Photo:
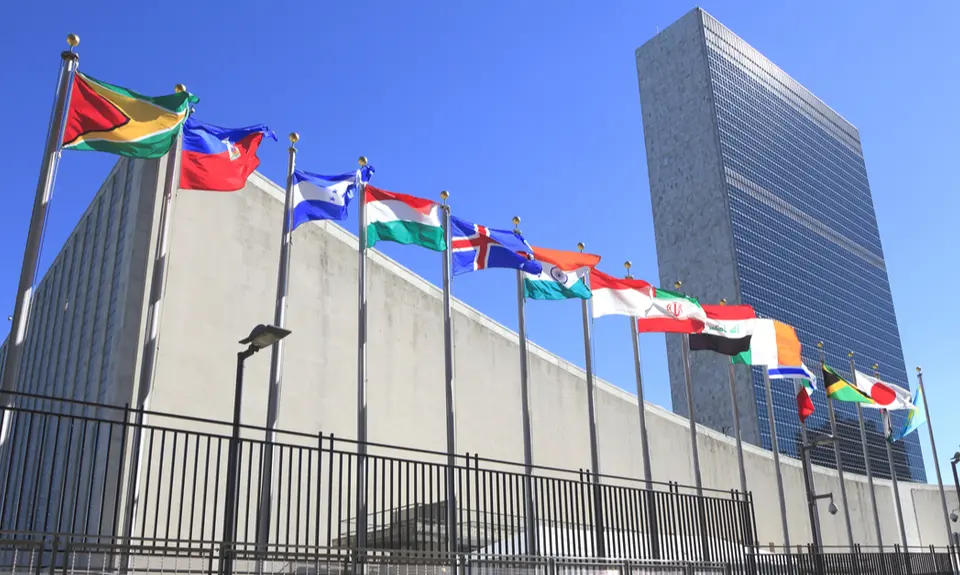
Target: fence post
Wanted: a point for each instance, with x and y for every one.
(53, 554)
(551, 565)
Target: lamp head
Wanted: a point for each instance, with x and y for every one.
(264, 336)
(832, 508)
(954, 517)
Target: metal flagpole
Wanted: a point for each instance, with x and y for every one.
(599, 532)
(38, 218)
(276, 355)
(885, 414)
(866, 459)
(838, 459)
(529, 509)
(361, 540)
(936, 461)
(776, 460)
(148, 359)
(736, 424)
(452, 546)
(691, 413)
(644, 437)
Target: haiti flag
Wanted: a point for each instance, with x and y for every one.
(219, 159)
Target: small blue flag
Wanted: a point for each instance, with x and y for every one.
(915, 417)
(317, 197)
(475, 247)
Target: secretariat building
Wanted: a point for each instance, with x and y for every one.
(760, 196)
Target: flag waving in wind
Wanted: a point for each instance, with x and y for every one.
(562, 275)
(915, 417)
(219, 159)
(317, 197)
(475, 247)
(884, 395)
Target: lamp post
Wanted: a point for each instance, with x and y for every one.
(956, 480)
(812, 497)
(261, 337)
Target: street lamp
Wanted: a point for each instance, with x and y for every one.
(261, 337)
(956, 480)
(812, 497)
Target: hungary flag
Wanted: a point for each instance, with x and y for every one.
(107, 118)
(403, 219)
(562, 276)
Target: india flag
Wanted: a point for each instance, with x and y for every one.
(563, 275)
(403, 219)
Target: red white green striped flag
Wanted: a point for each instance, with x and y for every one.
(404, 219)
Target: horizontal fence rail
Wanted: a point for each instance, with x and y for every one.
(929, 561)
(80, 468)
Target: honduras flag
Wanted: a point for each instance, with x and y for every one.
(475, 247)
(317, 197)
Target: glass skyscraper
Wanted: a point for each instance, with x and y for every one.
(760, 196)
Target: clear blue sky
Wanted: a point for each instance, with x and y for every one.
(518, 108)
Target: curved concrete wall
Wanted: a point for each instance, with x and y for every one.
(222, 281)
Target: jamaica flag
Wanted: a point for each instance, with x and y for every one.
(107, 118)
(840, 390)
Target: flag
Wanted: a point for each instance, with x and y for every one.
(613, 296)
(219, 159)
(562, 276)
(403, 219)
(916, 417)
(772, 344)
(805, 384)
(672, 312)
(841, 390)
(317, 197)
(727, 330)
(475, 247)
(107, 118)
(884, 395)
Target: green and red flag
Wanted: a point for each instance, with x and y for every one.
(107, 118)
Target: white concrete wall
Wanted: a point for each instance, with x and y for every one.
(222, 281)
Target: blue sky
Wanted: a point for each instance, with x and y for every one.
(518, 108)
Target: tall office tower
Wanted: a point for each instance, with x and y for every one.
(760, 196)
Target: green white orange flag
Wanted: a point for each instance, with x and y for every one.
(772, 344)
(107, 118)
(562, 276)
(404, 219)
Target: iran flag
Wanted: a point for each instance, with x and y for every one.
(884, 395)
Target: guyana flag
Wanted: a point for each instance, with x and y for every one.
(107, 118)
(840, 390)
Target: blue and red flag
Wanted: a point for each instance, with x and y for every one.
(475, 247)
(219, 159)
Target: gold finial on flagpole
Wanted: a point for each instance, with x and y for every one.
(628, 265)
(294, 137)
(850, 355)
(179, 88)
(677, 284)
(819, 345)
(362, 160)
(443, 196)
(73, 41)
(918, 369)
(580, 246)
(516, 224)
(876, 366)
(723, 301)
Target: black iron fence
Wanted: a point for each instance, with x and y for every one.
(80, 468)
(911, 561)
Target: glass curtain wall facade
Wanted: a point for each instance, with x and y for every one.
(805, 239)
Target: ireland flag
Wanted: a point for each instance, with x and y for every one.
(562, 276)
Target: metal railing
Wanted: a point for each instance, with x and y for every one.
(867, 561)
(82, 468)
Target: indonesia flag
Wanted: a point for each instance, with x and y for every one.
(614, 296)
(219, 159)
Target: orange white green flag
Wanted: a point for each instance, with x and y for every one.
(562, 276)
(107, 118)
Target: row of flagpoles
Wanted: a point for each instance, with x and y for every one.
(201, 156)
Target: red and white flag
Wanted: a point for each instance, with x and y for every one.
(884, 395)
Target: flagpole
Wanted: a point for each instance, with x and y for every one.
(276, 354)
(361, 540)
(837, 458)
(452, 546)
(691, 413)
(736, 424)
(893, 470)
(866, 459)
(653, 526)
(936, 461)
(38, 218)
(774, 444)
(592, 420)
(171, 181)
(529, 510)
